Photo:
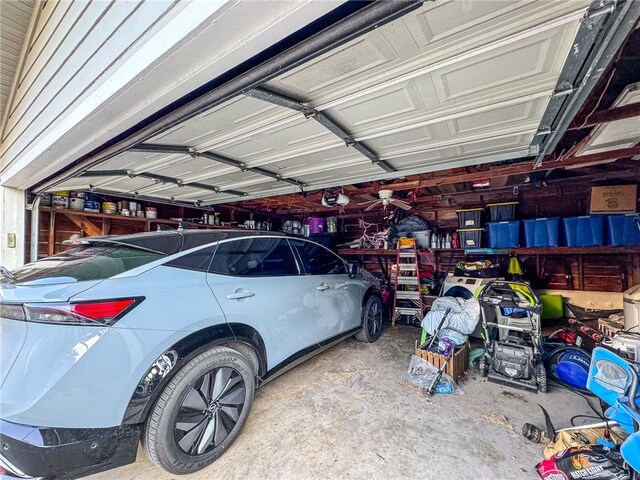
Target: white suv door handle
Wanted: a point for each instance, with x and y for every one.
(240, 294)
(322, 287)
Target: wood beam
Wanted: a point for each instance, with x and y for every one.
(84, 223)
(448, 178)
(618, 113)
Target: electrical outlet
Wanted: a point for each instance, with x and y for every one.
(11, 240)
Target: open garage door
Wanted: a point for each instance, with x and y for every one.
(440, 85)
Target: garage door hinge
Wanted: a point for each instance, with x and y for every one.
(309, 113)
(543, 130)
(565, 89)
(601, 8)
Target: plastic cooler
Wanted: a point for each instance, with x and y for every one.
(541, 232)
(470, 237)
(622, 230)
(503, 234)
(470, 218)
(584, 231)
(502, 212)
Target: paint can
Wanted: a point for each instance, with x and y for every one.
(140, 213)
(125, 212)
(61, 200)
(151, 212)
(91, 206)
(133, 206)
(45, 200)
(77, 194)
(76, 203)
(317, 225)
(109, 208)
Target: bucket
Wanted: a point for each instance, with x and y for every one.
(91, 206)
(76, 203)
(423, 238)
(46, 200)
(76, 194)
(61, 200)
(332, 224)
(317, 225)
(109, 207)
(151, 212)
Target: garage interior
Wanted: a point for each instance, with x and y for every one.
(461, 110)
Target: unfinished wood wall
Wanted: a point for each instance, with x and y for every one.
(608, 272)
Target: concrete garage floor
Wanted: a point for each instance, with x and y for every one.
(349, 413)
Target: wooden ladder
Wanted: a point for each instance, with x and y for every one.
(407, 285)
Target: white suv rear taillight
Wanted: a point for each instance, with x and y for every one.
(96, 312)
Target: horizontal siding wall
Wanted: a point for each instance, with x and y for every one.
(14, 24)
(74, 47)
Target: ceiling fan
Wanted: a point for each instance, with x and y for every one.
(386, 199)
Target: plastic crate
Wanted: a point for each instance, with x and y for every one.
(503, 234)
(584, 231)
(541, 232)
(622, 230)
(470, 237)
(502, 212)
(470, 218)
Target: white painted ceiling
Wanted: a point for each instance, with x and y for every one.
(454, 83)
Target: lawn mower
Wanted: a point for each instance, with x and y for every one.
(511, 314)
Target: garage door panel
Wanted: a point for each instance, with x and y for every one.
(521, 113)
(391, 104)
(215, 124)
(366, 53)
(471, 33)
(279, 141)
(504, 69)
(359, 169)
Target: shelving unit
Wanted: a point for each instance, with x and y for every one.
(57, 225)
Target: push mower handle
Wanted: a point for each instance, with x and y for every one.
(508, 284)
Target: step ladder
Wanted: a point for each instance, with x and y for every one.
(407, 294)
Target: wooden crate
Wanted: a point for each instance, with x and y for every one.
(458, 364)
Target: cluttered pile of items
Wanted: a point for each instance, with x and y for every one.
(594, 353)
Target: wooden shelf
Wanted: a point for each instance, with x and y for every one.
(125, 218)
(506, 251)
(599, 250)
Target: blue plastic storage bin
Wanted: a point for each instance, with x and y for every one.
(584, 231)
(504, 234)
(541, 232)
(622, 230)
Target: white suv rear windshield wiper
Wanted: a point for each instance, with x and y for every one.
(7, 274)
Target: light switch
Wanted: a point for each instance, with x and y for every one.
(11, 240)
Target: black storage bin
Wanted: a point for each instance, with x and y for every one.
(470, 218)
(502, 212)
(470, 237)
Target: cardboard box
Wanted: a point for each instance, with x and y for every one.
(458, 364)
(615, 199)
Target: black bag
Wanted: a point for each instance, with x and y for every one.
(588, 463)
